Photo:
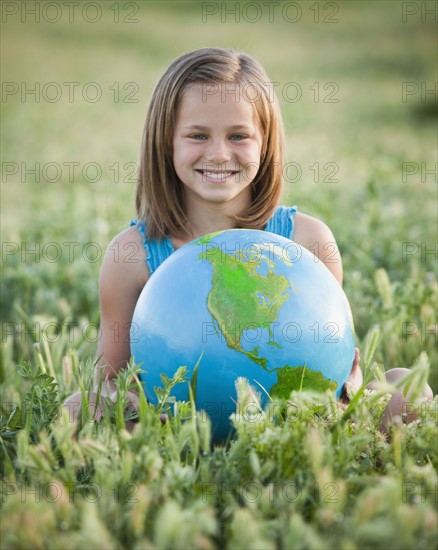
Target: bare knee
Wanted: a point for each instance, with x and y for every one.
(74, 406)
(400, 407)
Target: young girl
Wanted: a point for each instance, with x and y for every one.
(212, 158)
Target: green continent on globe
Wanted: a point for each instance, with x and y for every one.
(241, 298)
(299, 378)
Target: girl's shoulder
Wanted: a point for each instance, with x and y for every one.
(130, 234)
(309, 230)
(314, 235)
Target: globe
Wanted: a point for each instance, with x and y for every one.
(242, 303)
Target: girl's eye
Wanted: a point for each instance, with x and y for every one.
(198, 137)
(237, 137)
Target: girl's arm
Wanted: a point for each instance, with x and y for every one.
(123, 275)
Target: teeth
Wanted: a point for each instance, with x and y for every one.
(217, 175)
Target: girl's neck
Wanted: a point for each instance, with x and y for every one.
(208, 219)
(209, 222)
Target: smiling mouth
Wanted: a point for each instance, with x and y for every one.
(213, 175)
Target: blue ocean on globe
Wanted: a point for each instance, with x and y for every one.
(242, 303)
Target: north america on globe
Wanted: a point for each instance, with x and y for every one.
(242, 297)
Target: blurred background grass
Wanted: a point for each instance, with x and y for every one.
(367, 50)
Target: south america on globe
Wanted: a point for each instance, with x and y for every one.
(242, 303)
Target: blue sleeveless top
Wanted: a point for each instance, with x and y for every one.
(281, 223)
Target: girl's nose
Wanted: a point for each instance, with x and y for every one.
(218, 152)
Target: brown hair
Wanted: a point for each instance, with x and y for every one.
(160, 193)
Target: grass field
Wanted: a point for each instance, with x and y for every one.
(356, 83)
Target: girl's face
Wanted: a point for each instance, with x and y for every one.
(216, 146)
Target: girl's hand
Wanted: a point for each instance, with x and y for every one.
(73, 404)
(355, 380)
(132, 403)
(95, 405)
(96, 409)
(109, 389)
